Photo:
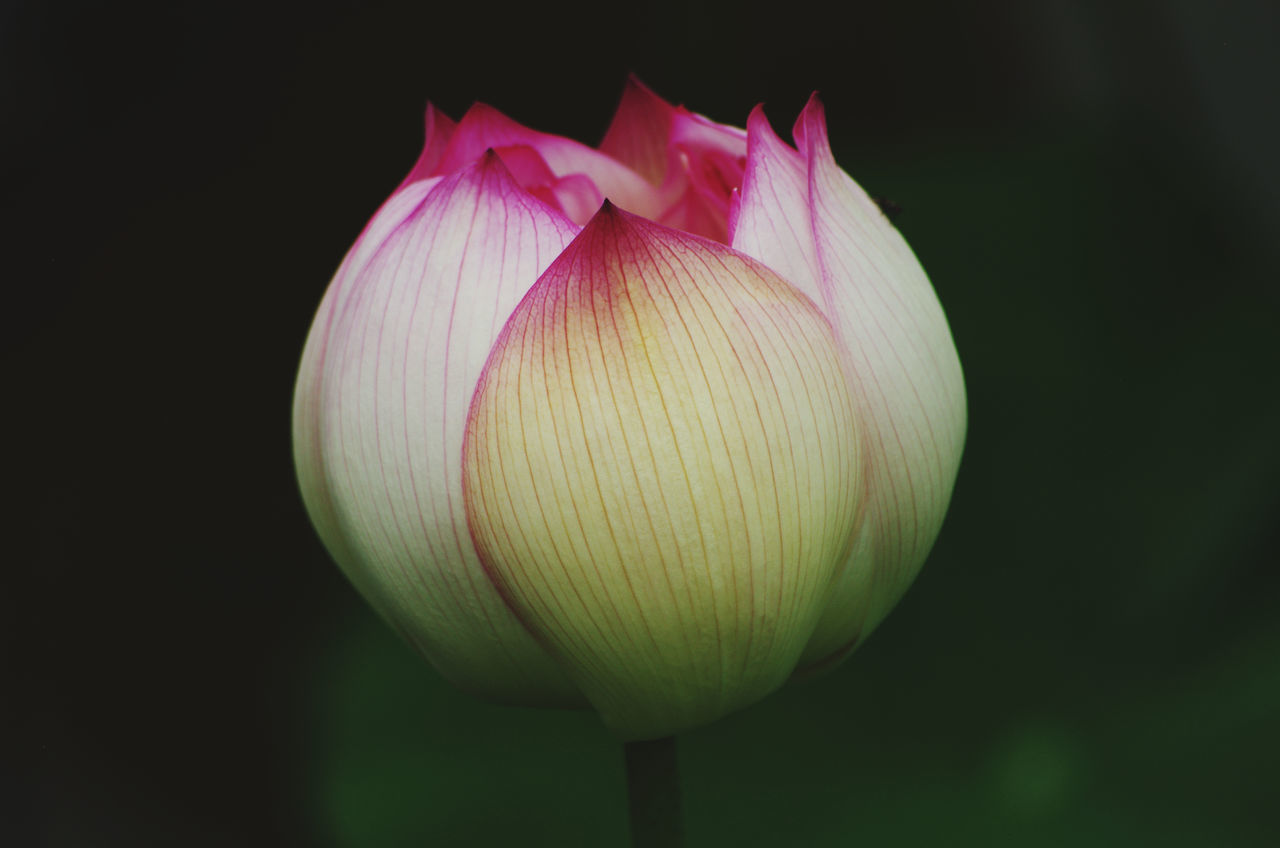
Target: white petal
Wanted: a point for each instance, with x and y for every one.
(806, 218)
(387, 376)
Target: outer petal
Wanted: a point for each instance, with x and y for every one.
(380, 408)
(484, 127)
(804, 217)
(662, 472)
(773, 220)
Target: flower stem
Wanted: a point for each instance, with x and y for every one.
(653, 788)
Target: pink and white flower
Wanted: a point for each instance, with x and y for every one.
(647, 427)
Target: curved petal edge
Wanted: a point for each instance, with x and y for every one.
(662, 472)
(380, 407)
(802, 215)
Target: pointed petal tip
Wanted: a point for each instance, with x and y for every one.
(639, 133)
(634, 82)
(634, 86)
(494, 178)
(764, 143)
(479, 109)
(817, 112)
(491, 164)
(613, 231)
(811, 125)
(612, 217)
(437, 130)
(758, 122)
(610, 211)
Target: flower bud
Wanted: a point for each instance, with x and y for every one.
(650, 427)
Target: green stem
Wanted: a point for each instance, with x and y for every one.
(653, 788)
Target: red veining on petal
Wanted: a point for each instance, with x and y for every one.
(409, 313)
(630, 307)
(576, 195)
(484, 127)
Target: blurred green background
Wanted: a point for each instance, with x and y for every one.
(1090, 657)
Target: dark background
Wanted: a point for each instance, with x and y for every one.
(1092, 654)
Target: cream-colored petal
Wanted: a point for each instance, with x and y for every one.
(387, 376)
(662, 472)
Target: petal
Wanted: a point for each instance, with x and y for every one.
(695, 212)
(772, 220)
(661, 472)
(639, 134)
(380, 409)
(484, 127)
(699, 134)
(526, 165)
(439, 129)
(697, 162)
(575, 195)
(707, 168)
(825, 235)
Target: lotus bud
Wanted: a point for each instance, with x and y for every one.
(649, 428)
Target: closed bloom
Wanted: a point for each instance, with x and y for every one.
(649, 427)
